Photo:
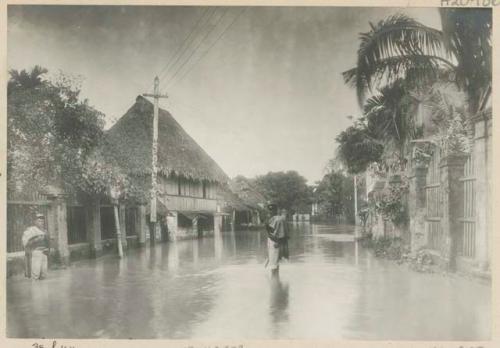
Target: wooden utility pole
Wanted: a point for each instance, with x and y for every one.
(355, 200)
(118, 231)
(154, 162)
(114, 192)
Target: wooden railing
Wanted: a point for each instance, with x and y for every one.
(183, 203)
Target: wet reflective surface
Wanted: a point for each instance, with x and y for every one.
(218, 288)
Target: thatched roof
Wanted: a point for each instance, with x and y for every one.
(230, 200)
(128, 143)
(247, 192)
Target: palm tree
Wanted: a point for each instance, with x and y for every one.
(388, 116)
(24, 79)
(383, 131)
(400, 47)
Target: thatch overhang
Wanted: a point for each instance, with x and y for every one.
(247, 193)
(230, 201)
(129, 142)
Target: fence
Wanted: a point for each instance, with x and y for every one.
(77, 224)
(108, 229)
(20, 215)
(130, 221)
(435, 236)
(467, 238)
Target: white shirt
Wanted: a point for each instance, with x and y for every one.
(31, 232)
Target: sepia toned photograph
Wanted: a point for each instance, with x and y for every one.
(248, 173)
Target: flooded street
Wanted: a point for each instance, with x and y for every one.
(218, 288)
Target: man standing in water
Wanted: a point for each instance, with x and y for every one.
(36, 247)
(277, 238)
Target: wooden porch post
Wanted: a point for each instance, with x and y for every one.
(121, 216)
(141, 225)
(94, 227)
(233, 220)
(58, 214)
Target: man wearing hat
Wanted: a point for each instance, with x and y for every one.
(277, 238)
(36, 248)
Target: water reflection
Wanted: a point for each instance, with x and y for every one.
(356, 252)
(196, 253)
(331, 288)
(278, 304)
(173, 256)
(218, 246)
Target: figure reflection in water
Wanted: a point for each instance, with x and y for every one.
(278, 304)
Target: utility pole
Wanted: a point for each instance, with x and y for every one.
(355, 200)
(154, 162)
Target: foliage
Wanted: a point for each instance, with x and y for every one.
(335, 195)
(363, 215)
(385, 247)
(391, 203)
(454, 127)
(51, 133)
(286, 189)
(389, 116)
(422, 153)
(400, 47)
(422, 262)
(383, 132)
(357, 148)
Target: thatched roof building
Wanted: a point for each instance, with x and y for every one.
(247, 192)
(128, 143)
(230, 200)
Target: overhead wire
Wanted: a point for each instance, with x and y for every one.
(188, 41)
(197, 46)
(183, 44)
(172, 82)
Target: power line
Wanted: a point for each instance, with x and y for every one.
(187, 42)
(186, 39)
(198, 46)
(212, 45)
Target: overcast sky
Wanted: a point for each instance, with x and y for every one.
(262, 92)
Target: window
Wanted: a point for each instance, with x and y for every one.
(179, 186)
(204, 189)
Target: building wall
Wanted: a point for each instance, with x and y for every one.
(180, 186)
(181, 194)
(461, 237)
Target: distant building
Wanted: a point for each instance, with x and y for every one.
(251, 197)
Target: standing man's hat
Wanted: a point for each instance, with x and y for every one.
(40, 216)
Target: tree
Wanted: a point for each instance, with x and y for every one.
(400, 47)
(335, 193)
(331, 191)
(358, 148)
(286, 189)
(389, 116)
(51, 132)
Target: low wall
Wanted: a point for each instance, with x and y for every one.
(78, 251)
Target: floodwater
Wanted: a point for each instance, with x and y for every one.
(218, 288)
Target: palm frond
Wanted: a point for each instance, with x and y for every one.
(391, 47)
(467, 35)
